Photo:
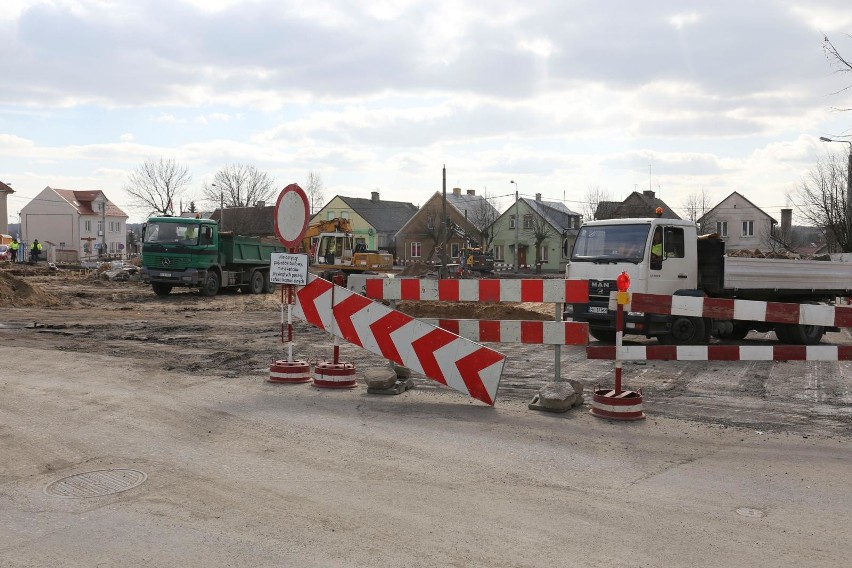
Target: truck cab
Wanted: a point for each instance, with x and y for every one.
(659, 255)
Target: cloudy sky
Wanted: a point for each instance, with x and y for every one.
(557, 95)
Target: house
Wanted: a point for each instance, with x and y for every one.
(81, 224)
(740, 223)
(636, 205)
(550, 223)
(256, 221)
(470, 217)
(374, 222)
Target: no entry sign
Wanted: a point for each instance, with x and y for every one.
(291, 216)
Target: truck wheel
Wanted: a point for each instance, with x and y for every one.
(211, 284)
(686, 331)
(603, 335)
(268, 286)
(802, 334)
(161, 289)
(256, 286)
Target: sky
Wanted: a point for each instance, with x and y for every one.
(559, 96)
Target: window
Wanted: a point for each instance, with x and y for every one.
(344, 214)
(454, 250)
(748, 228)
(498, 253)
(673, 241)
(415, 250)
(511, 221)
(528, 221)
(543, 255)
(430, 221)
(330, 215)
(100, 227)
(87, 226)
(722, 228)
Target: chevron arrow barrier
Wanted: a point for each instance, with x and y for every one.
(442, 356)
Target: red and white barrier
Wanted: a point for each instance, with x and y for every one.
(328, 375)
(624, 405)
(478, 290)
(746, 310)
(433, 352)
(517, 331)
(289, 372)
(722, 352)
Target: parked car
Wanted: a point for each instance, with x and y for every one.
(5, 253)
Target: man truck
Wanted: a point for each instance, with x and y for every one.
(178, 251)
(689, 265)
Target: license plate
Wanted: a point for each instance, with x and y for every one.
(166, 274)
(597, 310)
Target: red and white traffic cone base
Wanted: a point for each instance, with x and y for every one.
(289, 372)
(626, 405)
(328, 375)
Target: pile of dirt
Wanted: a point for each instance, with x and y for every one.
(15, 292)
(416, 269)
(782, 254)
(474, 310)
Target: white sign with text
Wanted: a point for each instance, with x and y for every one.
(288, 268)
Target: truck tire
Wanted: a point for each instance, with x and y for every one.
(686, 331)
(256, 282)
(161, 289)
(603, 335)
(741, 329)
(210, 287)
(801, 334)
(268, 286)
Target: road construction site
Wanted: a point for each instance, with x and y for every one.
(738, 463)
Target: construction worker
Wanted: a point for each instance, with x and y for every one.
(657, 246)
(190, 233)
(13, 249)
(35, 250)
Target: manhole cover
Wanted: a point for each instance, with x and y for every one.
(96, 483)
(749, 512)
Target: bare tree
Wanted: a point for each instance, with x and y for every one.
(593, 196)
(239, 185)
(315, 190)
(541, 231)
(836, 59)
(822, 200)
(156, 184)
(482, 214)
(696, 205)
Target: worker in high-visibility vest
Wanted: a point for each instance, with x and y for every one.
(13, 249)
(35, 250)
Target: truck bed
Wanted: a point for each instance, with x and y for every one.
(246, 250)
(782, 274)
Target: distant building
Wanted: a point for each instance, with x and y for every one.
(636, 205)
(740, 223)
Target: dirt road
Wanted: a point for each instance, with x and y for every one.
(738, 464)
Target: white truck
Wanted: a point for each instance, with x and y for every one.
(666, 256)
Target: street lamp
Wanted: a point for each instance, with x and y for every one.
(848, 191)
(517, 222)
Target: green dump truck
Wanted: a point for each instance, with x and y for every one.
(177, 251)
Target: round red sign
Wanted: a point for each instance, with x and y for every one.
(291, 216)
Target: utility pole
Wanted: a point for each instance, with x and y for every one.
(443, 272)
(517, 222)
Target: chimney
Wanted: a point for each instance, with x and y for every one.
(456, 191)
(786, 225)
(471, 192)
(648, 193)
(374, 196)
(538, 197)
(260, 204)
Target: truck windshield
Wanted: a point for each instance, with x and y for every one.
(611, 243)
(182, 233)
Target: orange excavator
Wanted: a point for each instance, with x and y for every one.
(334, 253)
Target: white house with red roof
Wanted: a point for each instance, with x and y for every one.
(75, 224)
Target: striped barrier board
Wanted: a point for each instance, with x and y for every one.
(555, 290)
(435, 353)
(722, 352)
(517, 331)
(746, 310)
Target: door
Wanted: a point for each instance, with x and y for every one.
(522, 256)
(671, 272)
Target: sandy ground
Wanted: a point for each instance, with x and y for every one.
(738, 464)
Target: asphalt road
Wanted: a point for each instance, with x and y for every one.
(737, 465)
